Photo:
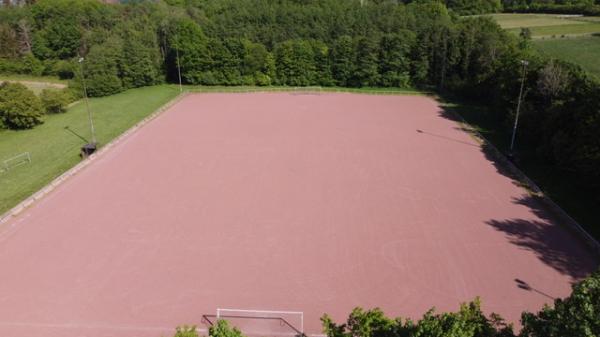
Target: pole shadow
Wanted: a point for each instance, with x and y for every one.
(446, 138)
(526, 286)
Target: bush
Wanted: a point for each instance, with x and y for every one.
(469, 321)
(222, 329)
(186, 331)
(55, 101)
(27, 64)
(19, 107)
(101, 68)
(64, 70)
(576, 315)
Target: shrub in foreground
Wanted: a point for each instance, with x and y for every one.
(19, 107)
(55, 101)
(576, 315)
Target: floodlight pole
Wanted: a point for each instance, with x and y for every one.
(178, 66)
(87, 104)
(514, 133)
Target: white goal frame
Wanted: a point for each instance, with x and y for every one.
(226, 311)
(20, 159)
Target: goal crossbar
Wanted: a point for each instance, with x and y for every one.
(20, 159)
(292, 321)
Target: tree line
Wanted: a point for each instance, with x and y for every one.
(576, 315)
(348, 43)
(583, 7)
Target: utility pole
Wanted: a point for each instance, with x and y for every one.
(87, 104)
(514, 133)
(178, 67)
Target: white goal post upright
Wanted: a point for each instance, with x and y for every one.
(285, 315)
(20, 159)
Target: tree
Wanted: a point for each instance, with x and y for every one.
(524, 37)
(141, 60)
(187, 39)
(8, 41)
(258, 65)
(222, 329)
(394, 59)
(102, 68)
(576, 315)
(366, 63)
(58, 39)
(295, 63)
(469, 321)
(54, 101)
(19, 107)
(342, 60)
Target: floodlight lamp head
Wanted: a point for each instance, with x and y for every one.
(524, 62)
(81, 59)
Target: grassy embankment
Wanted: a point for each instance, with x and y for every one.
(54, 150)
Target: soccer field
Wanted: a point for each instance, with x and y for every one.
(286, 202)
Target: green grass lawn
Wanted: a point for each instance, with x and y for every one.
(53, 150)
(584, 51)
(548, 25)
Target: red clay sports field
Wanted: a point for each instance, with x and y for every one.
(274, 201)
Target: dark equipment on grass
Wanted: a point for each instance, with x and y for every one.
(86, 150)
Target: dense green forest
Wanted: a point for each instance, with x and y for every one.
(308, 42)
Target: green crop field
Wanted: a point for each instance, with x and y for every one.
(549, 25)
(53, 150)
(584, 51)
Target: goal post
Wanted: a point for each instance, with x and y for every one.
(18, 160)
(263, 323)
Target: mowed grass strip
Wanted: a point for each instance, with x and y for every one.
(548, 25)
(558, 31)
(54, 150)
(31, 78)
(508, 21)
(584, 51)
(35, 83)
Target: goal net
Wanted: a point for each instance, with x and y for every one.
(262, 323)
(18, 160)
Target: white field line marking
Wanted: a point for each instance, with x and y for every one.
(93, 326)
(263, 311)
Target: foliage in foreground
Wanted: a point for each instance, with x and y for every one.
(19, 107)
(575, 316)
(220, 329)
(55, 101)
